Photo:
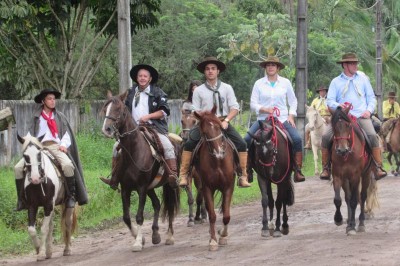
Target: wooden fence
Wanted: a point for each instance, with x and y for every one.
(79, 113)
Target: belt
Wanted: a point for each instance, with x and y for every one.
(48, 143)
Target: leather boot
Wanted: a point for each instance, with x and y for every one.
(171, 172)
(70, 201)
(184, 171)
(378, 170)
(298, 175)
(113, 181)
(242, 180)
(308, 141)
(326, 171)
(21, 204)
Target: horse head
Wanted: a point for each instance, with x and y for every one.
(343, 130)
(32, 155)
(312, 117)
(188, 121)
(264, 146)
(116, 115)
(211, 130)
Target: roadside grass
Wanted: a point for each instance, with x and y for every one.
(105, 207)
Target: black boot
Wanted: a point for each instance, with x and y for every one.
(70, 201)
(21, 204)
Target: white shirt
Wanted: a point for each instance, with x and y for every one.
(280, 96)
(65, 141)
(142, 108)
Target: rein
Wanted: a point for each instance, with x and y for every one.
(117, 134)
(208, 140)
(274, 140)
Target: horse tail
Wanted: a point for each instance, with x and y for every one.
(69, 223)
(290, 192)
(171, 202)
(372, 196)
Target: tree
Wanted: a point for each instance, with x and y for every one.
(61, 43)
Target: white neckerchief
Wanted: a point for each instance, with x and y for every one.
(346, 88)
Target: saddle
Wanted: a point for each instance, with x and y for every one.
(151, 136)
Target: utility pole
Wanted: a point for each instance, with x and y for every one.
(378, 43)
(124, 44)
(301, 65)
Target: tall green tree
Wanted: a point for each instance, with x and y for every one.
(61, 43)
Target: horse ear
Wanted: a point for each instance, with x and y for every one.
(347, 109)
(41, 138)
(214, 109)
(20, 139)
(196, 114)
(123, 96)
(109, 95)
(307, 107)
(261, 124)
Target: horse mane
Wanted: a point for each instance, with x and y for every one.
(28, 139)
(209, 117)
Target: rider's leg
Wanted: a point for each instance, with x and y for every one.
(298, 152)
(170, 159)
(247, 138)
(189, 146)
(240, 145)
(326, 164)
(366, 124)
(19, 183)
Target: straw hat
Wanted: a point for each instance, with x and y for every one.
(274, 60)
(349, 57)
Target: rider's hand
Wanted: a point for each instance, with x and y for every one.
(291, 121)
(366, 114)
(144, 119)
(63, 149)
(224, 125)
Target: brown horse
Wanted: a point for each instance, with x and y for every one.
(216, 166)
(188, 121)
(139, 172)
(271, 154)
(393, 146)
(351, 166)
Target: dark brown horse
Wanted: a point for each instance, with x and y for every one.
(44, 188)
(351, 166)
(216, 167)
(139, 172)
(393, 146)
(271, 154)
(188, 121)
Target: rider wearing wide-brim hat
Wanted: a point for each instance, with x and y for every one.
(58, 137)
(272, 60)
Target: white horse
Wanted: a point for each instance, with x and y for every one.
(44, 188)
(316, 124)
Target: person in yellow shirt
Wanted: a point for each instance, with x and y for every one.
(391, 111)
(318, 103)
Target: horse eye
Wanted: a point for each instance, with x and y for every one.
(27, 159)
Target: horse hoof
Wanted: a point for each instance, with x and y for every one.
(223, 241)
(48, 256)
(137, 248)
(41, 258)
(285, 231)
(190, 223)
(361, 229)
(277, 234)
(213, 246)
(170, 241)
(67, 253)
(265, 233)
(156, 239)
(395, 173)
(351, 232)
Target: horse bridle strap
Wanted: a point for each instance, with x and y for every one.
(215, 138)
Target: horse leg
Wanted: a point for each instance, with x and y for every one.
(32, 211)
(389, 158)
(271, 205)
(262, 184)
(45, 230)
(226, 207)
(315, 154)
(139, 242)
(189, 193)
(278, 206)
(337, 201)
(67, 220)
(285, 219)
(155, 239)
(49, 239)
(364, 190)
(209, 199)
(353, 200)
(396, 158)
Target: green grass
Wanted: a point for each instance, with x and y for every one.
(105, 207)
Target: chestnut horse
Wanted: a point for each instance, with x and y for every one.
(393, 145)
(44, 188)
(351, 167)
(188, 121)
(271, 154)
(140, 172)
(215, 163)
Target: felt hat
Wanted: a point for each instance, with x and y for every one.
(135, 70)
(210, 60)
(274, 60)
(39, 98)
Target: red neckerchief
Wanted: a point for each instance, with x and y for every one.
(51, 123)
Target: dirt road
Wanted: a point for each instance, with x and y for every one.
(314, 239)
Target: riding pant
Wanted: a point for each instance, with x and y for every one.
(297, 142)
(365, 124)
(230, 132)
(66, 164)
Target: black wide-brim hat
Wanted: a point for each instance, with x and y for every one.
(39, 98)
(210, 60)
(153, 72)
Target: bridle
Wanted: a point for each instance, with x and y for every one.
(223, 146)
(117, 120)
